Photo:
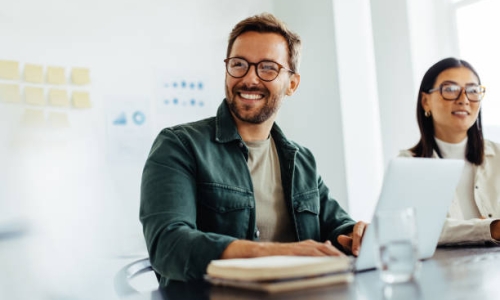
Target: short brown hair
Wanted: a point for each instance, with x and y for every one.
(268, 23)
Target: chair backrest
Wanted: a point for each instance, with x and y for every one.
(123, 277)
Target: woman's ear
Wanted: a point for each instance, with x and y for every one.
(425, 102)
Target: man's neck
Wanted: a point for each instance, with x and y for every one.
(254, 132)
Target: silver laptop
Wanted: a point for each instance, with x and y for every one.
(428, 184)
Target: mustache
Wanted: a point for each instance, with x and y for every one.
(245, 88)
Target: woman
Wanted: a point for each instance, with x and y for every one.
(449, 117)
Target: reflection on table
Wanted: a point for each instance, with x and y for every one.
(452, 273)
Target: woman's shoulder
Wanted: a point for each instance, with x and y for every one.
(491, 147)
(405, 153)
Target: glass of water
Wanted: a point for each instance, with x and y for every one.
(396, 237)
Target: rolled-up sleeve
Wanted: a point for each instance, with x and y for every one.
(168, 212)
(472, 231)
(334, 219)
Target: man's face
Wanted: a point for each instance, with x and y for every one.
(251, 99)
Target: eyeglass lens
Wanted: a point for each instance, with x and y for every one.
(266, 70)
(453, 91)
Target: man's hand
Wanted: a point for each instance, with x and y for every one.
(246, 249)
(352, 241)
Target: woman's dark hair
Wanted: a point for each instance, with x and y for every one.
(427, 143)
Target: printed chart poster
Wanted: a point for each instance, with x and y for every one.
(128, 127)
(185, 97)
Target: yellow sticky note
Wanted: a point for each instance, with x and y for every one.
(58, 119)
(33, 118)
(55, 75)
(80, 76)
(9, 70)
(33, 73)
(58, 97)
(81, 100)
(10, 93)
(34, 95)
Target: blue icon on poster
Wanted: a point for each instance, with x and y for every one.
(186, 98)
(139, 117)
(120, 120)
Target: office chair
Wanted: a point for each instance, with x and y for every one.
(124, 276)
(195, 290)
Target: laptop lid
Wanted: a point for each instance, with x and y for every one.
(428, 184)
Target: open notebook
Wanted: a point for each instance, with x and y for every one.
(428, 184)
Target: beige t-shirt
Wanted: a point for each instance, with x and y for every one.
(273, 220)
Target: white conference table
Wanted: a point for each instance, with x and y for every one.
(452, 273)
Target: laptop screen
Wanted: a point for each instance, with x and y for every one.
(428, 184)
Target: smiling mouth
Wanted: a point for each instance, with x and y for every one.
(461, 113)
(251, 96)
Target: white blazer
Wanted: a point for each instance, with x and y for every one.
(456, 229)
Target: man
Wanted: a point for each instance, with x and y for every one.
(233, 186)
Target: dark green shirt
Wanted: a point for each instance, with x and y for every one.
(197, 195)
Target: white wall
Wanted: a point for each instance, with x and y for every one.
(81, 205)
(360, 106)
(336, 103)
(396, 90)
(313, 116)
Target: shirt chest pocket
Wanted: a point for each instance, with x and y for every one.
(306, 209)
(224, 209)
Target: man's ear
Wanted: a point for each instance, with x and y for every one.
(293, 84)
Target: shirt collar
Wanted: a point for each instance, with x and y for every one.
(226, 131)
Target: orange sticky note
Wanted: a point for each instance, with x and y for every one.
(58, 97)
(10, 93)
(80, 76)
(81, 99)
(34, 95)
(9, 70)
(58, 119)
(33, 118)
(55, 75)
(33, 73)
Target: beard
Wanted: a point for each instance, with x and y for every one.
(244, 112)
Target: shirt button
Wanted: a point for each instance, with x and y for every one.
(490, 215)
(240, 145)
(257, 233)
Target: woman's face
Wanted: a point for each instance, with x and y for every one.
(452, 118)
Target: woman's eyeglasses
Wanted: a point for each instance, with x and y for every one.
(452, 91)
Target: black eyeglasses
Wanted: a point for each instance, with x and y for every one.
(267, 70)
(452, 91)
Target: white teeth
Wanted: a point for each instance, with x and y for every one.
(460, 113)
(251, 96)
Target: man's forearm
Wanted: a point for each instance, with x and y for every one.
(247, 249)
